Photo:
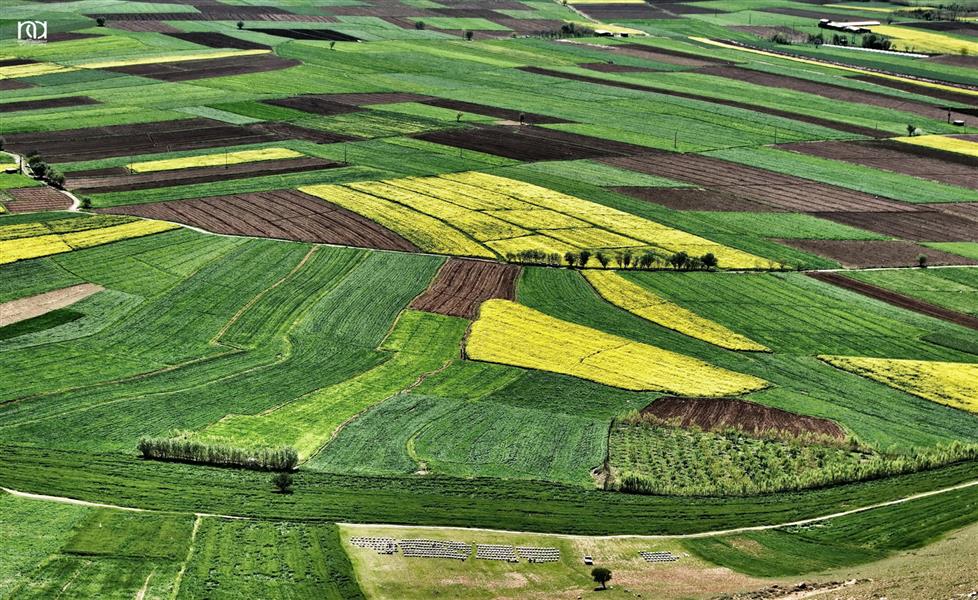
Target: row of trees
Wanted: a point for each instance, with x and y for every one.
(42, 170)
(183, 449)
(680, 261)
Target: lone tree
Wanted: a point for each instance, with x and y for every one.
(100, 21)
(601, 575)
(922, 260)
(468, 35)
(419, 25)
(709, 261)
(283, 482)
(240, 24)
(911, 130)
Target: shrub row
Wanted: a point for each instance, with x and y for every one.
(182, 449)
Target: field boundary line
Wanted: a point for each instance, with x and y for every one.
(186, 561)
(677, 536)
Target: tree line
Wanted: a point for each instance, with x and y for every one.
(646, 260)
(182, 449)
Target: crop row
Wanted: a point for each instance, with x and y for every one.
(22, 248)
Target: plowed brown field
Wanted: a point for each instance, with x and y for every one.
(461, 286)
(721, 413)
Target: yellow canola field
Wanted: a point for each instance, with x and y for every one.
(12, 250)
(428, 233)
(639, 301)
(953, 384)
(169, 58)
(214, 160)
(940, 142)
(920, 40)
(549, 344)
(33, 70)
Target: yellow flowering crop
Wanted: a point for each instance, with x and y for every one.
(940, 142)
(169, 58)
(33, 70)
(214, 160)
(953, 384)
(512, 334)
(637, 300)
(24, 248)
(428, 233)
(920, 40)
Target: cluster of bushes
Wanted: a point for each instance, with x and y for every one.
(183, 449)
(680, 261)
(42, 170)
(649, 456)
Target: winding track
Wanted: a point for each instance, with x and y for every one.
(702, 534)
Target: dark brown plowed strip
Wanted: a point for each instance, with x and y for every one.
(945, 167)
(149, 26)
(162, 136)
(839, 126)
(309, 34)
(141, 181)
(695, 199)
(807, 14)
(828, 90)
(923, 90)
(897, 299)
(319, 104)
(36, 199)
(96, 173)
(14, 84)
(214, 67)
(963, 27)
(217, 40)
(370, 98)
(921, 226)
(69, 36)
(473, 13)
(876, 253)
(775, 190)
(605, 12)
(281, 214)
(529, 143)
(461, 286)
(65, 102)
(674, 57)
(16, 62)
(494, 111)
(970, 62)
(965, 210)
(613, 68)
(712, 414)
(687, 9)
(526, 26)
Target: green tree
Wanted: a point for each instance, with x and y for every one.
(240, 24)
(922, 260)
(570, 258)
(603, 258)
(679, 260)
(583, 258)
(283, 482)
(601, 575)
(710, 260)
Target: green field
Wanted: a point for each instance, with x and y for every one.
(285, 354)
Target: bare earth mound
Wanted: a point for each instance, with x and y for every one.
(280, 214)
(35, 306)
(876, 253)
(36, 199)
(898, 299)
(463, 285)
(721, 413)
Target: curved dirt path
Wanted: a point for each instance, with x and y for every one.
(702, 534)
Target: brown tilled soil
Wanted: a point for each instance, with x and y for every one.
(663, 55)
(776, 190)
(529, 143)
(308, 34)
(217, 40)
(920, 226)
(961, 27)
(945, 167)
(614, 68)
(320, 104)
(163, 136)
(463, 285)
(907, 86)
(150, 26)
(876, 253)
(837, 125)
(370, 98)
(14, 84)
(605, 12)
(970, 62)
(800, 12)
(14, 62)
(35, 306)
(505, 114)
(695, 199)
(720, 413)
(36, 199)
(768, 32)
(527, 26)
(281, 214)
(214, 67)
(828, 90)
(965, 210)
(140, 181)
(897, 299)
(65, 102)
